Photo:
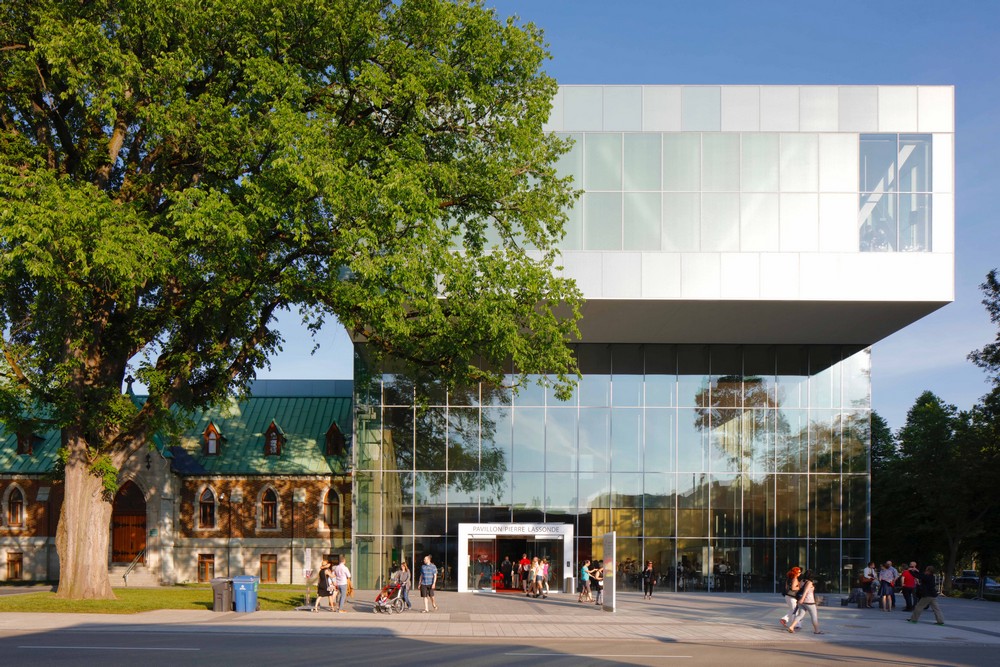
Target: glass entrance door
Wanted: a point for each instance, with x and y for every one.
(482, 564)
(552, 551)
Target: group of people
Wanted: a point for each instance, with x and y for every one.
(534, 576)
(919, 589)
(333, 585)
(591, 580)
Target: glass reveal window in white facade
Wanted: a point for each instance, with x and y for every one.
(895, 186)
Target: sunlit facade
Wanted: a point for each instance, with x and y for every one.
(740, 248)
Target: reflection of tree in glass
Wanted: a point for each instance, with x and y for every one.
(732, 407)
(443, 438)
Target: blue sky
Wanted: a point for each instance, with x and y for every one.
(800, 42)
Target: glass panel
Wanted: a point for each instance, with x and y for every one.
(642, 221)
(661, 499)
(594, 440)
(595, 364)
(792, 440)
(642, 162)
(758, 507)
(758, 442)
(914, 222)
(793, 371)
(571, 163)
(824, 441)
(799, 163)
(915, 163)
(701, 108)
(692, 440)
(573, 228)
(760, 163)
(594, 492)
(626, 381)
(855, 506)
(463, 491)
(792, 505)
(824, 505)
(530, 393)
(495, 496)
(661, 380)
(560, 439)
(463, 439)
(661, 443)
(726, 449)
(602, 221)
(727, 506)
(692, 504)
(561, 491)
(603, 162)
(720, 170)
(877, 163)
(397, 439)
(661, 552)
(682, 162)
(720, 222)
(496, 439)
(626, 439)
(529, 439)
(726, 566)
(431, 428)
(695, 559)
(759, 222)
(692, 375)
(681, 222)
(856, 441)
(528, 490)
(877, 222)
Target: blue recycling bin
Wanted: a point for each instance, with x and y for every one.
(245, 593)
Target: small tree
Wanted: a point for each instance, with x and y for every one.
(173, 174)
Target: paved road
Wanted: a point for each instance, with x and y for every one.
(509, 630)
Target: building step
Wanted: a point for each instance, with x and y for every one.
(139, 577)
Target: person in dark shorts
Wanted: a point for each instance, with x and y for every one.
(428, 580)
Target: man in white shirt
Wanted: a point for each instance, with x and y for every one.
(341, 578)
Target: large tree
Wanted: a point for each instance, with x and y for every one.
(173, 173)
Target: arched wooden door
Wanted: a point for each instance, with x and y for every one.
(128, 524)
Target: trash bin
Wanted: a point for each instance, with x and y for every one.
(222, 594)
(245, 593)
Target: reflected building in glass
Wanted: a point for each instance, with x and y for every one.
(740, 249)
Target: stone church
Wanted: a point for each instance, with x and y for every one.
(260, 486)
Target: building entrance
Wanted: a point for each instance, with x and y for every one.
(489, 555)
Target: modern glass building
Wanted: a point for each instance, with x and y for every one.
(740, 248)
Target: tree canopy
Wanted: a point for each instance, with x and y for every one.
(173, 174)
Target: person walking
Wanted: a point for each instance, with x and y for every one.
(323, 587)
(648, 580)
(524, 572)
(807, 604)
(506, 569)
(545, 578)
(928, 598)
(428, 581)
(403, 579)
(585, 595)
(341, 579)
(790, 594)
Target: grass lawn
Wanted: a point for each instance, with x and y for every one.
(134, 600)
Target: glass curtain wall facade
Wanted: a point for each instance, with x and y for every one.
(722, 464)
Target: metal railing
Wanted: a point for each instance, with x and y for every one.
(131, 566)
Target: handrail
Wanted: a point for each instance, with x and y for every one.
(131, 566)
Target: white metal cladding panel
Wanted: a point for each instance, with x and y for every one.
(943, 228)
(751, 108)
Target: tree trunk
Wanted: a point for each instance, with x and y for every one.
(83, 532)
(949, 566)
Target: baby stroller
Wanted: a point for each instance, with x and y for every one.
(390, 599)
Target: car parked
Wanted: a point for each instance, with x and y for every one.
(969, 581)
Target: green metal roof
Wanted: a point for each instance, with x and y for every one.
(43, 454)
(304, 421)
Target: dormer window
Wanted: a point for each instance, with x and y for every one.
(211, 439)
(336, 443)
(274, 438)
(25, 443)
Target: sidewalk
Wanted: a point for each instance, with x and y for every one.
(692, 618)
